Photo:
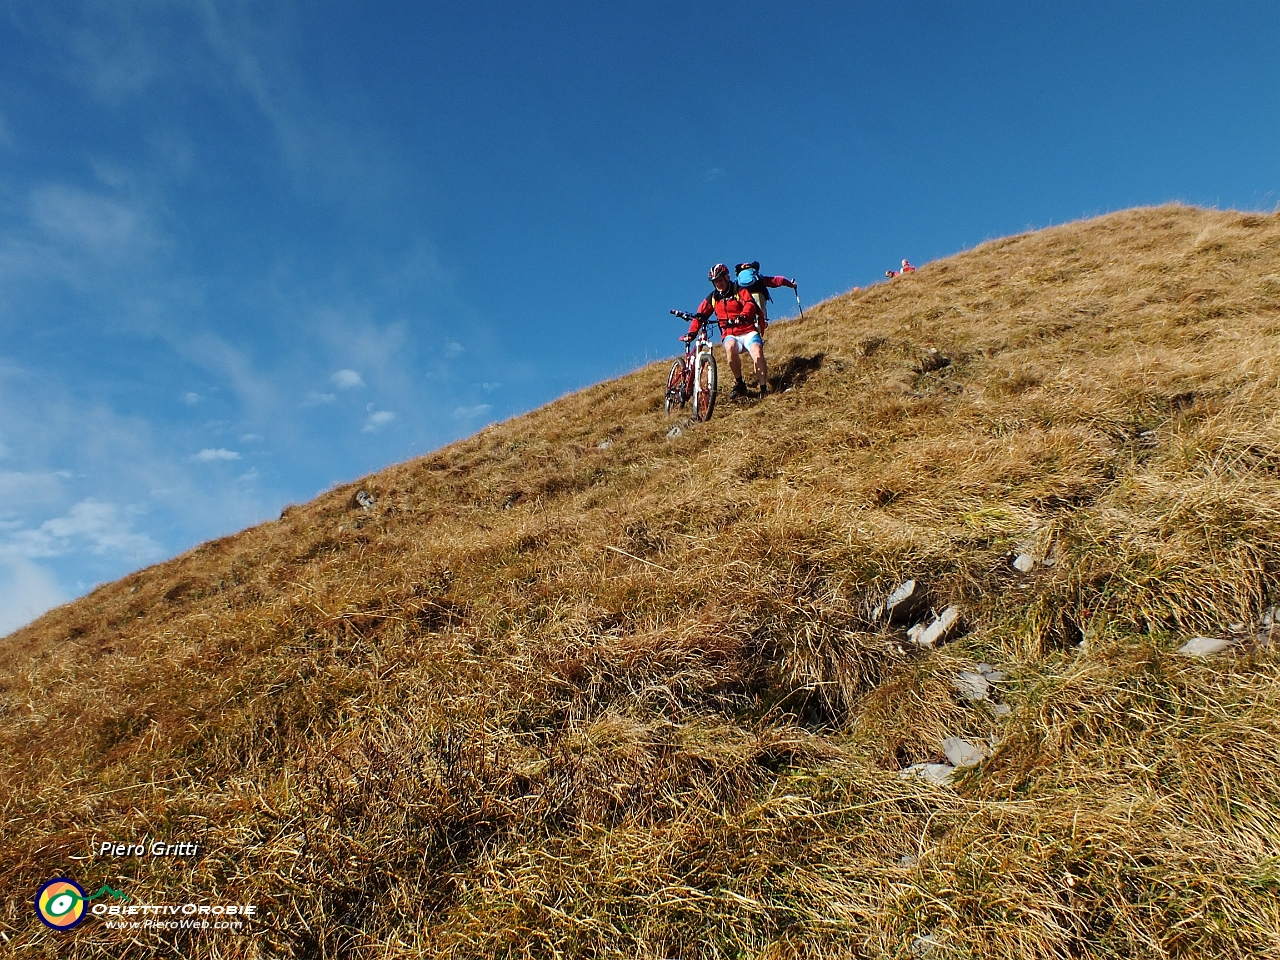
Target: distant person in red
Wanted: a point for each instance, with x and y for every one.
(738, 314)
(891, 274)
(749, 279)
(907, 267)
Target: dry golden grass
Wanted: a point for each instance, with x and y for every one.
(557, 697)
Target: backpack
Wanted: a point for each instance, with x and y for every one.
(748, 276)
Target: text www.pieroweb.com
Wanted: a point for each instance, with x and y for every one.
(182, 924)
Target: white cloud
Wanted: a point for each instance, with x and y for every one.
(209, 455)
(464, 413)
(347, 379)
(113, 175)
(190, 398)
(490, 387)
(250, 474)
(26, 591)
(24, 489)
(103, 525)
(115, 50)
(314, 399)
(250, 437)
(377, 420)
(259, 392)
(77, 218)
(453, 348)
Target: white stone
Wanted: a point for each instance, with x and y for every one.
(1203, 646)
(962, 753)
(901, 604)
(604, 444)
(926, 637)
(674, 432)
(991, 673)
(937, 773)
(972, 685)
(923, 946)
(1024, 563)
(1001, 709)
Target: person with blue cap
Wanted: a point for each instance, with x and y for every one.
(749, 279)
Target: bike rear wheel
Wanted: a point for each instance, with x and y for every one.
(704, 387)
(675, 387)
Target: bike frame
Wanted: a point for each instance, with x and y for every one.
(697, 353)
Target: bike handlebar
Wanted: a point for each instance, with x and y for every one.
(692, 316)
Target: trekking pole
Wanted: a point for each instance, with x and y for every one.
(796, 291)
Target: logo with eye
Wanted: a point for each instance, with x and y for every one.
(60, 902)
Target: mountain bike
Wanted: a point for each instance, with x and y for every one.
(693, 376)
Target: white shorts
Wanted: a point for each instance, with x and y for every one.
(745, 340)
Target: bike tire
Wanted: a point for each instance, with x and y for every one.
(675, 387)
(704, 388)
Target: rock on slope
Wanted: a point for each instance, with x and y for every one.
(572, 687)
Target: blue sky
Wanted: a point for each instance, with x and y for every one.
(248, 251)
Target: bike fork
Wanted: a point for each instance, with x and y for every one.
(697, 380)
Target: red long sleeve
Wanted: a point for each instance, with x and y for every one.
(734, 313)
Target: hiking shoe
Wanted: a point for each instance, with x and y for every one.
(739, 390)
(764, 390)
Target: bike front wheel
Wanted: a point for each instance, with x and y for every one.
(675, 387)
(704, 387)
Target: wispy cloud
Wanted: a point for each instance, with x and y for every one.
(113, 53)
(100, 527)
(210, 455)
(347, 380)
(21, 489)
(467, 413)
(190, 398)
(316, 399)
(26, 591)
(255, 389)
(377, 420)
(106, 227)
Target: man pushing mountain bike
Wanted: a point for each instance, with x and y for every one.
(737, 314)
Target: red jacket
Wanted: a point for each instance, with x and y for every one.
(735, 310)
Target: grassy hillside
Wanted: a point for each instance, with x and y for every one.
(574, 687)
